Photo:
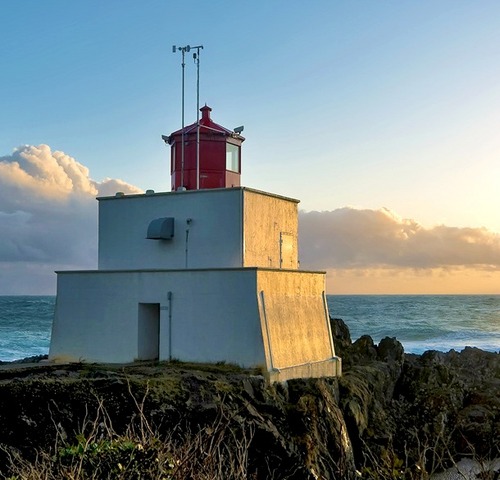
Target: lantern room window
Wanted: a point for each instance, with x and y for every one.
(232, 157)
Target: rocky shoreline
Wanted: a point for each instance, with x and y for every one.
(391, 415)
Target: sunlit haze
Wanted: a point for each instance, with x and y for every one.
(381, 117)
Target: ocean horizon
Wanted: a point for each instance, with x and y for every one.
(420, 322)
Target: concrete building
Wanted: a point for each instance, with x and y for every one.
(204, 275)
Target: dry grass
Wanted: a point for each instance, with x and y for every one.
(219, 450)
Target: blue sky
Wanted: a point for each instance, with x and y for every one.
(360, 104)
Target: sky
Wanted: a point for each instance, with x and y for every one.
(381, 117)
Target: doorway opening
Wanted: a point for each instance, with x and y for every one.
(148, 347)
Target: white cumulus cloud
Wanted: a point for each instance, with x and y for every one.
(37, 172)
(48, 217)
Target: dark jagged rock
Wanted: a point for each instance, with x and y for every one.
(390, 415)
(457, 396)
(363, 350)
(419, 413)
(33, 359)
(391, 351)
(342, 335)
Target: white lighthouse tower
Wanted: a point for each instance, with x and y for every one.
(198, 275)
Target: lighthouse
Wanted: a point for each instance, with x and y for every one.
(206, 272)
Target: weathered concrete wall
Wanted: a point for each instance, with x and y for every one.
(295, 324)
(270, 231)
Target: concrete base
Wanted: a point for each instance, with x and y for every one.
(251, 317)
(327, 368)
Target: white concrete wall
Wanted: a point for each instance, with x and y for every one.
(95, 318)
(214, 238)
(213, 316)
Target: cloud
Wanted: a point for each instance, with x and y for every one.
(349, 238)
(48, 217)
(37, 173)
(48, 221)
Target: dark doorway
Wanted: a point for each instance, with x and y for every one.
(149, 331)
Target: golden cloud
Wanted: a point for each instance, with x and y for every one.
(359, 239)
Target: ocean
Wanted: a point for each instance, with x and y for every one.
(423, 322)
(25, 326)
(419, 322)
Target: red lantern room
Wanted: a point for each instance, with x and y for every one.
(219, 155)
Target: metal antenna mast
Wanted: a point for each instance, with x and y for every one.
(196, 57)
(183, 50)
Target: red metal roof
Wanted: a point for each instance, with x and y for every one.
(206, 125)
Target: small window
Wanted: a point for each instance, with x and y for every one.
(232, 157)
